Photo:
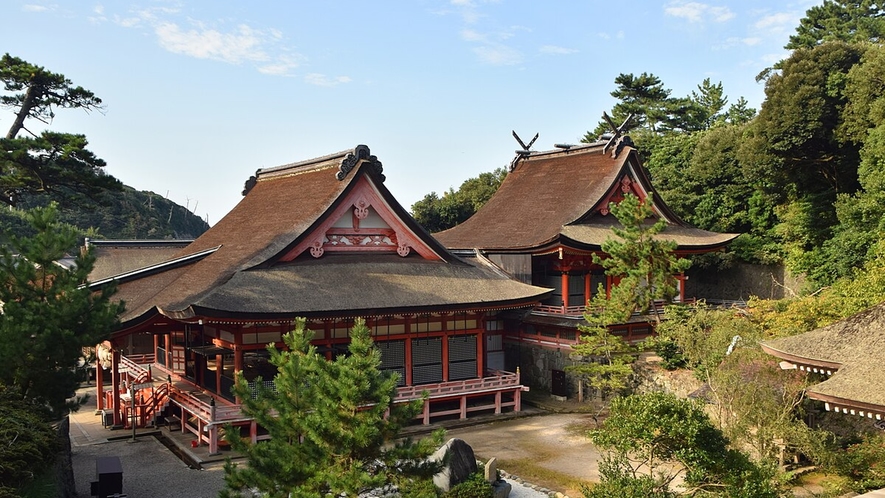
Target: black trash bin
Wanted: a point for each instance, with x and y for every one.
(109, 472)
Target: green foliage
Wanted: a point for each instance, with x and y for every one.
(49, 315)
(58, 164)
(604, 359)
(437, 213)
(795, 148)
(704, 333)
(667, 437)
(130, 214)
(475, 486)
(644, 262)
(331, 424)
(864, 463)
(670, 352)
(27, 442)
(840, 20)
(619, 480)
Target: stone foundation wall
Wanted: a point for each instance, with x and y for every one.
(536, 364)
(536, 367)
(741, 282)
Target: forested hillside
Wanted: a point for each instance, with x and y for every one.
(39, 168)
(123, 214)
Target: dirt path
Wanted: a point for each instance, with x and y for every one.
(549, 450)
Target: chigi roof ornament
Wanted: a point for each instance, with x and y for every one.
(619, 140)
(525, 148)
(360, 152)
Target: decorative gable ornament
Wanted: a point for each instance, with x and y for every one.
(360, 153)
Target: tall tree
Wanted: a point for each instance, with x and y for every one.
(712, 99)
(643, 96)
(49, 315)
(861, 214)
(332, 425)
(654, 111)
(52, 162)
(840, 20)
(604, 361)
(644, 261)
(796, 150)
(437, 213)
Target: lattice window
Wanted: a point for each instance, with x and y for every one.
(393, 358)
(426, 360)
(462, 357)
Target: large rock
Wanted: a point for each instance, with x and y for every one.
(501, 489)
(460, 464)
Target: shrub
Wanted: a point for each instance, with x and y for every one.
(475, 486)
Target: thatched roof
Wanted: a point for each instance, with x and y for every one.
(253, 262)
(114, 257)
(852, 349)
(562, 196)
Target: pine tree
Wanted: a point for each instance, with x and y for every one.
(645, 263)
(646, 267)
(332, 425)
(48, 313)
(607, 360)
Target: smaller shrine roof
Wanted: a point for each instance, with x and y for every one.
(852, 348)
(562, 196)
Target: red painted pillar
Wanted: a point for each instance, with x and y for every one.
(99, 385)
(115, 383)
(168, 338)
(481, 351)
(588, 291)
(564, 291)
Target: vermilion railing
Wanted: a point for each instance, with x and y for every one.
(136, 372)
(497, 380)
(579, 310)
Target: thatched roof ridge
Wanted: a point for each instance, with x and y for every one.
(556, 196)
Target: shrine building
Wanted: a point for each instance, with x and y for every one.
(321, 239)
(847, 358)
(543, 226)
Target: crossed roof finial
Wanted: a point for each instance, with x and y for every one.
(618, 132)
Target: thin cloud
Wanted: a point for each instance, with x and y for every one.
(556, 50)
(283, 66)
(777, 23)
(127, 22)
(36, 8)
(243, 44)
(735, 41)
(698, 12)
(323, 80)
(472, 36)
(498, 55)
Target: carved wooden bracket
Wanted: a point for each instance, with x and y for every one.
(316, 249)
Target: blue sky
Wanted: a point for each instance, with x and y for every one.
(200, 94)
